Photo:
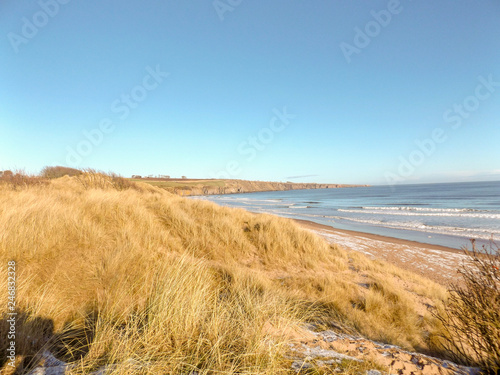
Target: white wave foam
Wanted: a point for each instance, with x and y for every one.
(422, 213)
(406, 208)
(417, 226)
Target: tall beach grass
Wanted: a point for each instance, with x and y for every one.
(130, 275)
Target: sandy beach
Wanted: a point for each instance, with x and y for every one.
(437, 263)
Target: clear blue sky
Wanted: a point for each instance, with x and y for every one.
(361, 83)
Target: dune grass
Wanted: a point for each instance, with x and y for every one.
(131, 275)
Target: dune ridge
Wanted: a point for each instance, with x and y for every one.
(111, 272)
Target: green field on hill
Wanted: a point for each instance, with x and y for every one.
(180, 184)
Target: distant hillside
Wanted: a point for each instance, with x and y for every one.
(216, 187)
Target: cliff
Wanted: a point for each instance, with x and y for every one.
(215, 187)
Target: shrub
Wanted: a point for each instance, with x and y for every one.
(58, 171)
(471, 317)
(20, 179)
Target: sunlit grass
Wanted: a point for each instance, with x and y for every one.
(138, 274)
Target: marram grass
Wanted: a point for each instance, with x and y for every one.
(149, 282)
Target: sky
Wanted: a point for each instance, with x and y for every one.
(362, 92)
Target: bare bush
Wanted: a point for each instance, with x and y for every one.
(471, 317)
(58, 171)
(20, 179)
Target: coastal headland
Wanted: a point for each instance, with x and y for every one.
(185, 187)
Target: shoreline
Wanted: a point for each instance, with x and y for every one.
(379, 237)
(435, 262)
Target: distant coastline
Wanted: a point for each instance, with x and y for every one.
(190, 187)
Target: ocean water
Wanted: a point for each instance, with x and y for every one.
(448, 214)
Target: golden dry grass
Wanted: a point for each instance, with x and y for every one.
(120, 275)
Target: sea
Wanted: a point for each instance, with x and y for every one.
(446, 214)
